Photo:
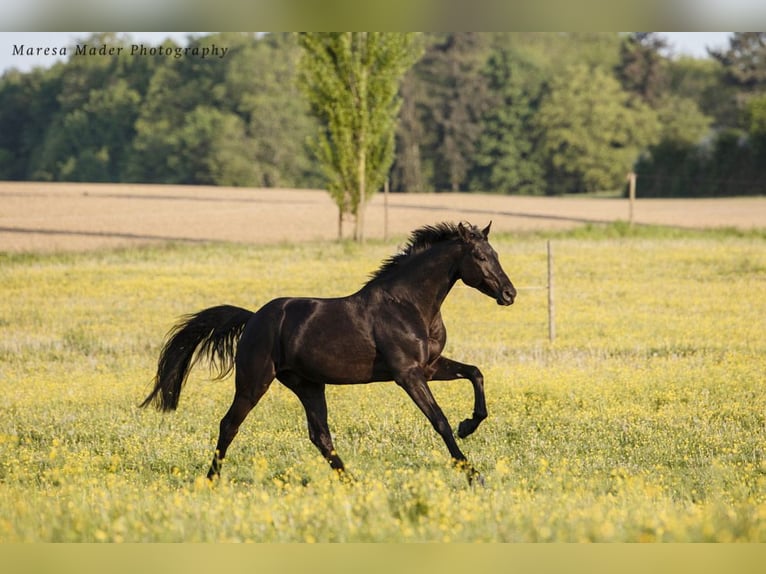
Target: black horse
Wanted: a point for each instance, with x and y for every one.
(391, 329)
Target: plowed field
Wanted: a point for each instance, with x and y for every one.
(82, 216)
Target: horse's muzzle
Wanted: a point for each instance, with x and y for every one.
(507, 296)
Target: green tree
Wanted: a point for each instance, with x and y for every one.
(507, 158)
(702, 80)
(642, 66)
(756, 129)
(681, 120)
(456, 97)
(644, 70)
(756, 116)
(555, 52)
(744, 60)
(409, 172)
(352, 82)
(155, 145)
(90, 129)
(28, 106)
(99, 133)
(161, 147)
(212, 148)
(593, 131)
(261, 81)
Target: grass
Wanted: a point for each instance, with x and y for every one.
(644, 421)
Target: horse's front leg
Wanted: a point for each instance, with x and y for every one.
(447, 370)
(414, 382)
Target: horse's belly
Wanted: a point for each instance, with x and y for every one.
(332, 365)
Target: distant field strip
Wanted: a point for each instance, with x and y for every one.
(80, 216)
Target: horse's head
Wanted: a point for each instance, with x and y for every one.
(480, 267)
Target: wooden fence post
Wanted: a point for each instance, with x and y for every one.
(551, 308)
(631, 196)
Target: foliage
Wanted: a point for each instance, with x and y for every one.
(729, 163)
(467, 116)
(745, 59)
(643, 422)
(681, 121)
(703, 82)
(352, 82)
(507, 157)
(457, 93)
(236, 121)
(642, 68)
(275, 111)
(410, 173)
(593, 131)
(730, 160)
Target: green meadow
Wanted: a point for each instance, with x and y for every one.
(645, 420)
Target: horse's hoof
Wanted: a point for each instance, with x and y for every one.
(345, 476)
(215, 471)
(476, 478)
(465, 428)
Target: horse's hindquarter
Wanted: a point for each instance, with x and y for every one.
(328, 340)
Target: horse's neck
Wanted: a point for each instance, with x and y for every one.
(427, 279)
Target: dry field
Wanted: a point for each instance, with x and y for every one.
(83, 216)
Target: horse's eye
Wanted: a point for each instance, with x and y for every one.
(481, 257)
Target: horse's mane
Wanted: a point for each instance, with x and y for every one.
(420, 240)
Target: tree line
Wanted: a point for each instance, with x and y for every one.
(515, 113)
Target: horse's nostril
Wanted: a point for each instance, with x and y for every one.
(509, 295)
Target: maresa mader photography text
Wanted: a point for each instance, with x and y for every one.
(137, 50)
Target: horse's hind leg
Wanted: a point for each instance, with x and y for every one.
(251, 385)
(312, 397)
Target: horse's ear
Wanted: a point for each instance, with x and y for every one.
(485, 231)
(465, 234)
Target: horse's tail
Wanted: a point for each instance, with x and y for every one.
(212, 333)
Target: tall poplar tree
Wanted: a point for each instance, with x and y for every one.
(352, 82)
